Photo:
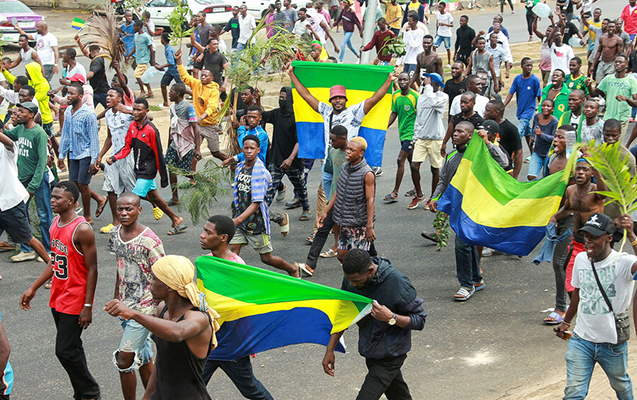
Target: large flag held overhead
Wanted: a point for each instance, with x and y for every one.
(361, 81)
(262, 310)
(488, 207)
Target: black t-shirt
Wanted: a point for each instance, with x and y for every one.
(98, 82)
(509, 137)
(233, 27)
(283, 137)
(455, 89)
(475, 119)
(570, 30)
(464, 37)
(214, 62)
(632, 62)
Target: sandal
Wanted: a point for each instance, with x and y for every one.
(463, 294)
(48, 284)
(4, 246)
(100, 208)
(553, 319)
(478, 286)
(310, 239)
(390, 198)
(305, 215)
(285, 228)
(328, 254)
(411, 193)
(171, 203)
(177, 229)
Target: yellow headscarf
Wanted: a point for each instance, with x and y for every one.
(178, 273)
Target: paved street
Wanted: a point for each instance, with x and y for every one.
(492, 347)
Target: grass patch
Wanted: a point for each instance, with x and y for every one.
(154, 108)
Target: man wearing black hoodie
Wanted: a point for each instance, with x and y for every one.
(283, 158)
(384, 336)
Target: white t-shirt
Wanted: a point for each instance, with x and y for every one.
(315, 21)
(445, 18)
(413, 45)
(246, 27)
(560, 57)
(481, 104)
(44, 45)
(421, 26)
(78, 69)
(300, 27)
(595, 322)
(13, 192)
(499, 56)
(351, 118)
(595, 131)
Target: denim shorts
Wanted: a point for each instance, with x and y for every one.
(135, 339)
(405, 146)
(78, 171)
(143, 186)
(536, 165)
(168, 77)
(440, 39)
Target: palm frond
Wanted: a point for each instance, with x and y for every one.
(105, 33)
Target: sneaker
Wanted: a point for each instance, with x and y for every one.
(158, 213)
(22, 256)
(426, 207)
(39, 259)
(107, 229)
(487, 252)
(448, 65)
(305, 269)
(378, 171)
(296, 203)
(280, 196)
(415, 202)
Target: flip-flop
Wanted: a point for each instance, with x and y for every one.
(390, 198)
(100, 209)
(285, 229)
(48, 285)
(171, 203)
(411, 193)
(177, 229)
(328, 254)
(553, 319)
(310, 239)
(4, 246)
(463, 294)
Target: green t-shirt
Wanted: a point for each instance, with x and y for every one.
(335, 160)
(576, 84)
(405, 108)
(32, 154)
(561, 100)
(612, 86)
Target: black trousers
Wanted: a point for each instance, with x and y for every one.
(240, 373)
(320, 238)
(69, 350)
(384, 376)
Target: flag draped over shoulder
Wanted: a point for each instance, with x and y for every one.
(488, 207)
(361, 81)
(262, 310)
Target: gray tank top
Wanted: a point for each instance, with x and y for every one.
(27, 56)
(480, 62)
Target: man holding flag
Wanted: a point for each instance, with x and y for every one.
(337, 113)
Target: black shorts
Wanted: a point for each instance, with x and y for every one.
(406, 146)
(78, 171)
(168, 77)
(15, 222)
(464, 58)
(198, 65)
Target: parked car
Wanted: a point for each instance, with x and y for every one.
(217, 11)
(15, 12)
(256, 8)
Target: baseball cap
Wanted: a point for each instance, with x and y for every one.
(436, 78)
(78, 78)
(29, 106)
(491, 126)
(338, 90)
(598, 224)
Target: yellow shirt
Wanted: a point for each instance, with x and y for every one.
(393, 12)
(591, 33)
(205, 97)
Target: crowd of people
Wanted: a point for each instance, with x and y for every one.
(155, 294)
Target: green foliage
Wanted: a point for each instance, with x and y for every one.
(612, 165)
(197, 199)
(178, 20)
(441, 226)
(393, 46)
(2, 44)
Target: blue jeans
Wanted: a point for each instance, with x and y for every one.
(524, 127)
(581, 356)
(241, 46)
(42, 198)
(536, 165)
(467, 264)
(240, 373)
(347, 41)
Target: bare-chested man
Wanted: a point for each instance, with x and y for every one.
(580, 201)
(610, 46)
(426, 62)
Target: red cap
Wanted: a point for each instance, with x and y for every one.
(78, 78)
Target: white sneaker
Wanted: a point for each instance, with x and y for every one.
(22, 256)
(487, 252)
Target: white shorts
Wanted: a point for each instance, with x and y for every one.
(424, 147)
(120, 176)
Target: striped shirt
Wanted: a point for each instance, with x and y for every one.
(259, 185)
(79, 135)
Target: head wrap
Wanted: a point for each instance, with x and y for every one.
(178, 273)
(360, 141)
(582, 159)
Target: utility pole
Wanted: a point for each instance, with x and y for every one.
(368, 30)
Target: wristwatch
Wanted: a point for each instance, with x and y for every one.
(392, 320)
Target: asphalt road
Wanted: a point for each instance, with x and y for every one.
(491, 347)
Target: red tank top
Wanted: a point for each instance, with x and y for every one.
(68, 291)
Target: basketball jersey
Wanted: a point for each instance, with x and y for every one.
(68, 290)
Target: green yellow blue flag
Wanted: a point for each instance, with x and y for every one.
(77, 23)
(361, 82)
(262, 310)
(488, 207)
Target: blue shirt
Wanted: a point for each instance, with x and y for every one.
(128, 36)
(243, 131)
(79, 135)
(169, 51)
(142, 52)
(503, 29)
(7, 379)
(527, 91)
